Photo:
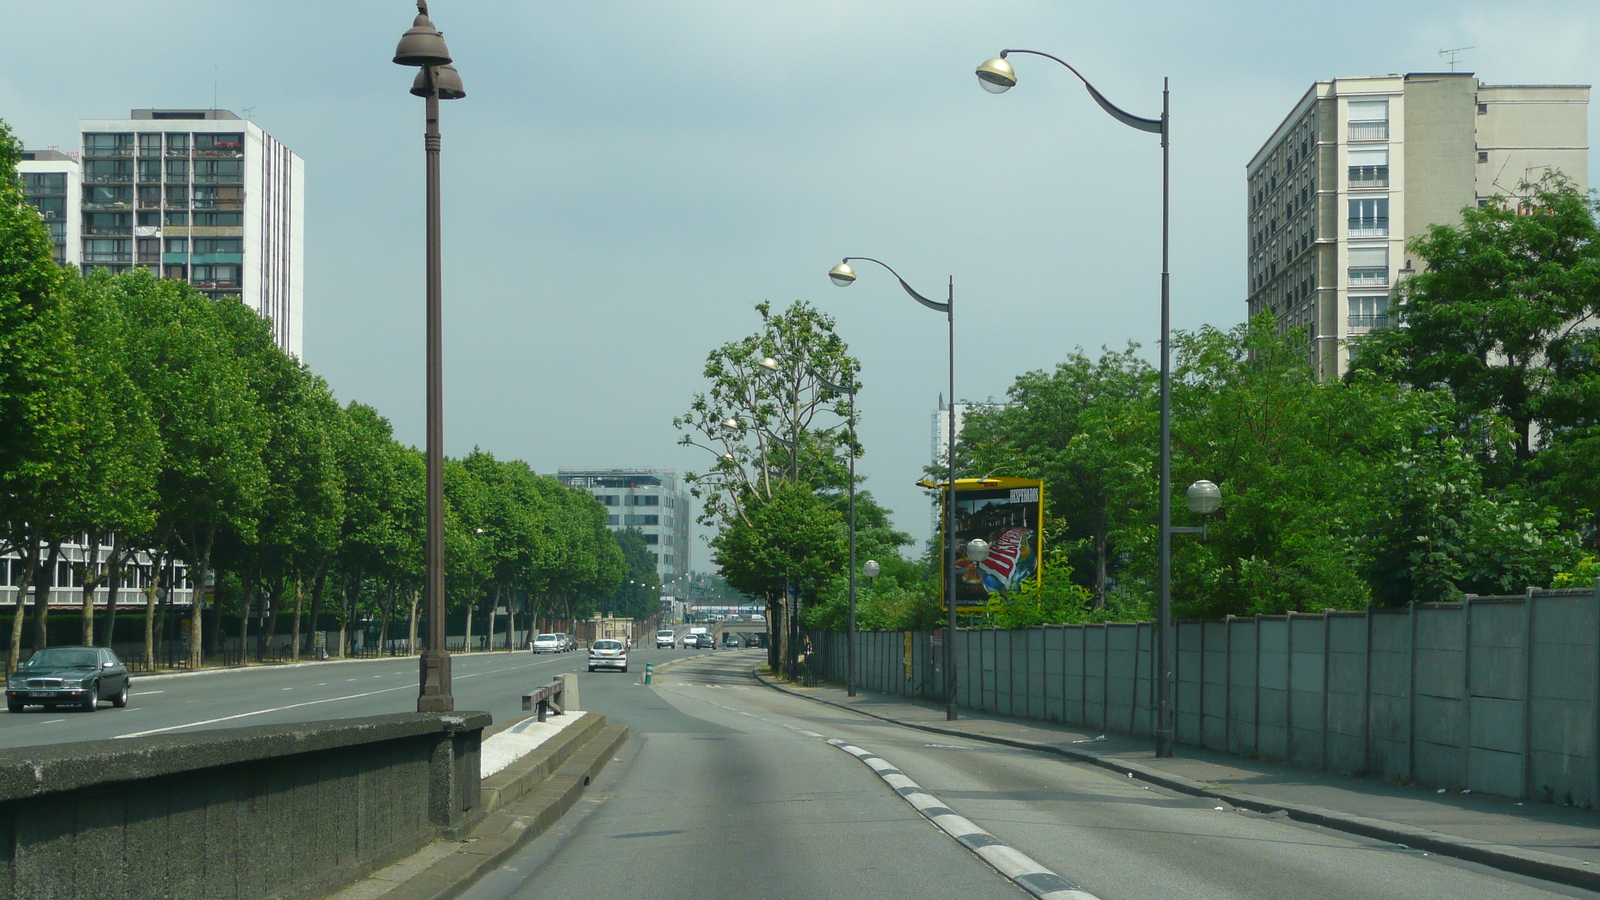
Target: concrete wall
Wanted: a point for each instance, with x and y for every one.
(1497, 694)
(236, 814)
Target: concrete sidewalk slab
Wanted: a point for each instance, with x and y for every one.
(1548, 841)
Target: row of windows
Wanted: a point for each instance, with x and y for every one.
(66, 576)
(150, 143)
(203, 170)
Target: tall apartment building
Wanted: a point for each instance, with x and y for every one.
(203, 196)
(650, 500)
(1362, 165)
(54, 185)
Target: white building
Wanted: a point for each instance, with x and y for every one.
(200, 195)
(54, 185)
(649, 500)
(1362, 165)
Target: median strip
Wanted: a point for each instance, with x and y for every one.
(1002, 857)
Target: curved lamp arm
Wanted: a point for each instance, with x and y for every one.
(934, 305)
(1154, 126)
(836, 388)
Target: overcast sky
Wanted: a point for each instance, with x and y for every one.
(625, 180)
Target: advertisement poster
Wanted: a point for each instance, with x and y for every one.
(1005, 512)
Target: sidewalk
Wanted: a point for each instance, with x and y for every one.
(1548, 841)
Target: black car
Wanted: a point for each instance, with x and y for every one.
(75, 676)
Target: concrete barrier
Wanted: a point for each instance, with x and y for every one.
(272, 811)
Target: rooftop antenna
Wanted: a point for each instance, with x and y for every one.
(249, 113)
(1453, 55)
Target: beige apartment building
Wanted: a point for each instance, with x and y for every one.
(1362, 165)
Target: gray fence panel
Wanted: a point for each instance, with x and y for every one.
(1440, 716)
(1243, 700)
(1005, 662)
(1562, 699)
(1389, 697)
(1144, 684)
(1272, 689)
(1122, 664)
(1214, 685)
(1497, 670)
(1188, 636)
(1096, 685)
(1346, 734)
(1307, 670)
(1074, 682)
(1036, 680)
(1054, 652)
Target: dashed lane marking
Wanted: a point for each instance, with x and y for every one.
(1008, 861)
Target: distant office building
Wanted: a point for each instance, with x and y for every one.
(650, 500)
(203, 196)
(52, 181)
(1362, 165)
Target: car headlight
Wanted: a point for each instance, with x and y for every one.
(17, 683)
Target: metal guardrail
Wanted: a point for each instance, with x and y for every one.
(546, 698)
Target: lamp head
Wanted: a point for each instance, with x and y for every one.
(997, 76)
(977, 549)
(842, 275)
(768, 363)
(446, 80)
(871, 568)
(422, 45)
(731, 423)
(1203, 497)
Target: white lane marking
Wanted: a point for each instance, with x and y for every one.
(321, 683)
(288, 688)
(1022, 869)
(51, 721)
(259, 712)
(148, 693)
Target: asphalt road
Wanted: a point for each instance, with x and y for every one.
(165, 704)
(728, 789)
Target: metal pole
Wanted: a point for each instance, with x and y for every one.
(434, 677)
(1164, 717)
(850, 666)
(950, 521)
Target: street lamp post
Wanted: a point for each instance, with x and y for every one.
(844, 276)
(996, 76)
(423, 47)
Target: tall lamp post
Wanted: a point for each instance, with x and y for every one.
(423, 47)
(844, 276)
(771, 365)
(996, 76)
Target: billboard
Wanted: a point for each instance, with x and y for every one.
(1006, 512)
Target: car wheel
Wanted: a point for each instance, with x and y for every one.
(14, 705)
(591, 668)
(91, 701)
(120, 701)
(624, 670)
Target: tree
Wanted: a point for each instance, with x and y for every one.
(637, 597)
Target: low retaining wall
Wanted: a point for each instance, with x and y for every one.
(273, 811)
(1498, 695)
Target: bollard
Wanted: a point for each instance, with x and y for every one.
(649, 670)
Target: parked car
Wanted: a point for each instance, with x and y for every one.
(80, 676)
(607, 653)
(665, 638)
(548, 643)
(567, 643)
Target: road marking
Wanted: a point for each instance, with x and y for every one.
(148, 693)
(289, 689)
(51, 721)
(1008, 861)
(259, 712)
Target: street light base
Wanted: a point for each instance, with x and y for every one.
(434, 677)
(1163, 746)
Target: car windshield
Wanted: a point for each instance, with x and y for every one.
(63, 658)
(608, 645)
(546, 637)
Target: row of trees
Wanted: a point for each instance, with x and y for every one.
(165, 425)
(1461, 453)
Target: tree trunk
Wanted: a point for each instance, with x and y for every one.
(252, 589)
(388, 613)
(467, 646)
(41, 599)
(1100, 565)
(315, 640)
(294, 642)
(411, 633)
(113, 587)
(152, 581)
(511, 622)
(30, 566)
(197, 602)
(91, 581)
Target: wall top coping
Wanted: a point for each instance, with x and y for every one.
(53, 768)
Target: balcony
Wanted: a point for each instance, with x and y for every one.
(217, 259)
(1369, 227)
(219, 204)
(1364, 177)
(227, 178)
(1369, 131)
(1368, 322)
(112, 178)
(106, 204)
(108, 230)
(219, 153)
(178, 152)
(107, 152)
(107, 257)
(1368, 276)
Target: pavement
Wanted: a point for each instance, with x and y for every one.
(1542, 840)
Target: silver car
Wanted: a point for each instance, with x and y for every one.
(607, 653)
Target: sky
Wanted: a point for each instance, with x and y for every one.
(625, 181)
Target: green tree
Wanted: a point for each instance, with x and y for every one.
(638, 596)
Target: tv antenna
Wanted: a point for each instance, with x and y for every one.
(1452, 55)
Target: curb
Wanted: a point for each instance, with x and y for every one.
(514, 821)
(1535, 863)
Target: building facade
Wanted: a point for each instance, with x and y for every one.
(54, 185)
(1362, 165)
(202, 196)
(650, 500)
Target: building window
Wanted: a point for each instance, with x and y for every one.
(1369, 312)
(211, 171)
(1483, 156)
(652, 539)
(1369, 120)
(1369, 168)
(1483, 109)
(611, 520)
(177, 245)
(1369, 266)
(106, 250)
(177, 217)
(1369, 216)
(218, 245)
